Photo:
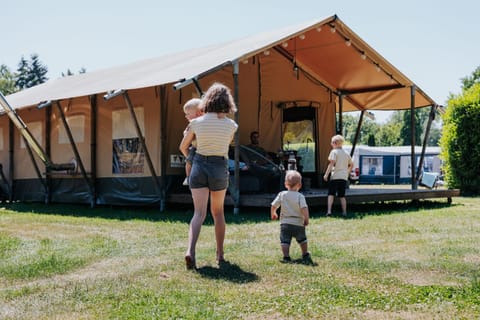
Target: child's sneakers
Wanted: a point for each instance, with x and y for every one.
(185, 182)
(307, 259)
(286, 260)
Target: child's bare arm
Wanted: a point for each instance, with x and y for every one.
(331, 164)
(186, 142)
(306, 216)
(273, 213)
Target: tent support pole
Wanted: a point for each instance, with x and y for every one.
(163, 144)
(236, 191)
(75, 150)
(142, 141)
(29, 138)
(412, 137)
(431, 117)
(48, 151)
(11, 148)
(35, 166)
(340, 114)
(357, 133)
(93, 148)
(197, 86)
(4, 179)
(185, 82)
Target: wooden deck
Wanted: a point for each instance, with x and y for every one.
(355, 194)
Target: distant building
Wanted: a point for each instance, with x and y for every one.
(391, 165)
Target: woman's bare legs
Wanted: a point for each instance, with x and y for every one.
(200, 202)
(217, 199)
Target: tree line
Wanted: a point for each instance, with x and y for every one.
(29, 73)
(395, 132)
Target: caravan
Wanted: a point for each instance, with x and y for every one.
(391, 165)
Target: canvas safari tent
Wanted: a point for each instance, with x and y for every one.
(111, 136)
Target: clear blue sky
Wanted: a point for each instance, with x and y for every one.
(433, 42)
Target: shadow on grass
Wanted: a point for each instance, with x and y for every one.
(175, 213)
(359, 211)
(228, 272)
(305, 263)
(183, 213)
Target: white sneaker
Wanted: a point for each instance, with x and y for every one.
(185, 182)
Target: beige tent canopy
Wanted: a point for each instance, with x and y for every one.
(328, 51)
(289, 85)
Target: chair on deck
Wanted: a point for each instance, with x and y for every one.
(262, 175)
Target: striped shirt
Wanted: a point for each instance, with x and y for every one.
(213, 134)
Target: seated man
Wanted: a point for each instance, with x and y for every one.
(255, 145)
(260, 155)
(252, 165)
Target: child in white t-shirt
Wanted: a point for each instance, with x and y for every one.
(294, 216)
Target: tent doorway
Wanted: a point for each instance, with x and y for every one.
(298, 136)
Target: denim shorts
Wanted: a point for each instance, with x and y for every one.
(289, 231)
(209, 172)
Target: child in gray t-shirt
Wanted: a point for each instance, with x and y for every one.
(294, 216)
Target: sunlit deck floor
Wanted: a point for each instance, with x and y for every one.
(355, 194)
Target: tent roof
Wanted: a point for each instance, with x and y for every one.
(327, 50)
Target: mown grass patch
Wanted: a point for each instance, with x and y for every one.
(46, 257)
(385, 264)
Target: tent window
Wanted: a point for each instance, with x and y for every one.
(299, 135)
(77, 127)
(36, 131)
(128, 156)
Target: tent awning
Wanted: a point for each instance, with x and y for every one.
(327, 50)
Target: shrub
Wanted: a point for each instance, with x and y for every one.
(460, 141)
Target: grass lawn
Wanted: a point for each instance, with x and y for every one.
(386, 261)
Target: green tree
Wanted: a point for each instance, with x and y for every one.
(434, 137)
(23, 74)
(7, 80)
(367, 131)
(389, 134)
(350, 123)
(70, 73)
(30, 73)
(371, 140)
(406, 129)
(469, 81)
(460, 141)
(38, 71)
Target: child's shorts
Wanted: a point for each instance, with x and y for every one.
(289, 231)
(337, 187)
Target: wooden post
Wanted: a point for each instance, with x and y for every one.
(412, 137)
(236, 191)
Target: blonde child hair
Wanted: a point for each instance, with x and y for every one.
(192, 107)
(293, 178)
(338, 140)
